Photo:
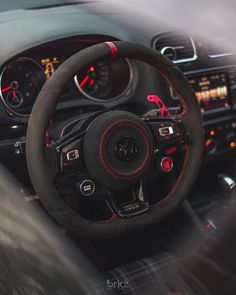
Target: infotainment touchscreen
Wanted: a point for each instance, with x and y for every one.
(211, 90)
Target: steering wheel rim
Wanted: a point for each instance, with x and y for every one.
(43, 111)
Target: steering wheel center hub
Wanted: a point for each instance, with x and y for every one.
(118, 149)
(126, 149)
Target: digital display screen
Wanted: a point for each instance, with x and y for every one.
(212, 91)
(49, 64)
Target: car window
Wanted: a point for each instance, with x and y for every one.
(26, 4)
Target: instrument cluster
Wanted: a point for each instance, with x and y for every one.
(22, 78)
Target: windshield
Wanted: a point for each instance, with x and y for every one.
(27, 4)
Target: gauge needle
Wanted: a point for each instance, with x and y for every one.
(92, 82)
(6, 89)
(84, 81)
(14, 94)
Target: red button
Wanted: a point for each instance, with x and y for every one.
(167, 164)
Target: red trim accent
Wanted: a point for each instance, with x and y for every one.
(160, 104)
(171, 150)
(187, 149)
(182, 100)
(113, 217)
(47, 141)
(103, 158)
(167, 164)
(114, 50)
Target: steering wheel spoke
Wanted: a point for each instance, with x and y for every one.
(69, 155)
(51, 158)
(130, 202)
(81, 184)
(69, 146)
(69, 165)
(167, 132)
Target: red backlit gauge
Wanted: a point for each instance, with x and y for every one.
(21, 81)
(105, 80)
(95, 81)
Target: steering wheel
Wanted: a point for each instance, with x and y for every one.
(116, 148)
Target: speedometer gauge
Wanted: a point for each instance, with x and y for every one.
(21, 81)
(95, 81)
(105, 80)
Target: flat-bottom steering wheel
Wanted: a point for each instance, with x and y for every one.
(116, 148)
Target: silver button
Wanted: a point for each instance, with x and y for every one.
(165, 131)
(72, 155)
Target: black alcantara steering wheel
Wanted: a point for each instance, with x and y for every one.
(115, 148)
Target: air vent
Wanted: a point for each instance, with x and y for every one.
(217, 51)
(178, 47)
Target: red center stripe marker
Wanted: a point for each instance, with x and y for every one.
(113, 48)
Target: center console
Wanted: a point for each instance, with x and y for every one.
(215, 90)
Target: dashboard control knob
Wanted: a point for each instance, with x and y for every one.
(231, 140)
(210, 146)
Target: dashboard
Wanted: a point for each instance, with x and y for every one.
(30, 57)
(22, 78)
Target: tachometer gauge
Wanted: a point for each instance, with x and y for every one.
(106, 80)
(95, 81)
(21, 81)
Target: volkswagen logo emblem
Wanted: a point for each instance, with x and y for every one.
(126, 149)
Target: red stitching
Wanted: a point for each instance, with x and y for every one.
(111, 219)
(169, 194)
(106, 163)
(185, 110)
(115, 173)
(114, 50)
